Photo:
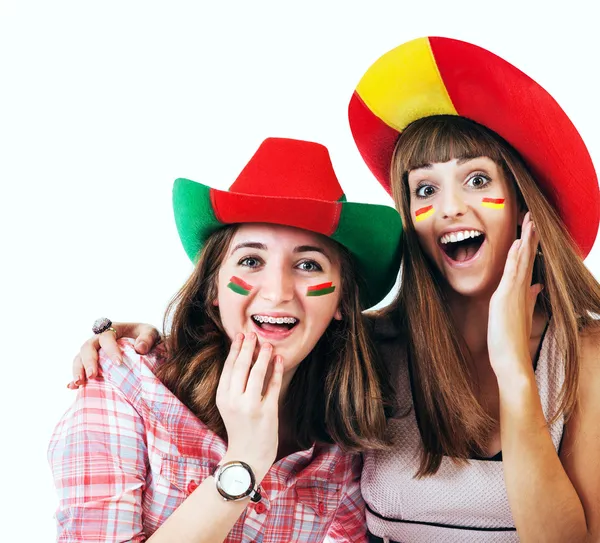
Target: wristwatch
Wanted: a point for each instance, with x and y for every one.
(236, 481)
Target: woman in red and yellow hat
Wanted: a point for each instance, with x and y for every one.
(494, 332)
(246, 423)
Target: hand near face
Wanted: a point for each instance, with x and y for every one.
(512, 306)
(247, 398)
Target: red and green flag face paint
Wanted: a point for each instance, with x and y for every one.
(320, 290)
(240, 286)
(423, 213)
(493, 203)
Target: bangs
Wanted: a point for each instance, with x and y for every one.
(442, 138)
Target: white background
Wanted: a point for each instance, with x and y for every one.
(104, 104)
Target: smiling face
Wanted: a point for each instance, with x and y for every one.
(263, 284)
(465, 215)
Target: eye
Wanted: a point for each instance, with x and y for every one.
(478, 181)
(309, 265)
(250, 262)
(424, 191)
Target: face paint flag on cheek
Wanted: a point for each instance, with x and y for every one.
(240, 286)
(493, 203)
(423, 213)
(320, 290)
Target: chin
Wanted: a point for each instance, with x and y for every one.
(470, 287)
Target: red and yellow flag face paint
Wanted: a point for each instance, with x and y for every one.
(239, 286)
(320, 290)
(493, 203)
(423, 213)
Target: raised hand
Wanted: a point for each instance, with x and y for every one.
(512, 306)
(247, 398)
(85, 363)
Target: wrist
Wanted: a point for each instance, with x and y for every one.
(517, 388)
(258, 466)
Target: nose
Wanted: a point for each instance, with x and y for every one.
(277, 285)
(452, 203)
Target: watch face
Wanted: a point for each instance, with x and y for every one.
(235, 480)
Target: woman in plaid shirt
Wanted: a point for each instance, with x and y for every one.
(266, 373)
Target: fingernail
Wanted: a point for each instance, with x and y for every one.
(251, 336)
(239, 337)
(266, 346)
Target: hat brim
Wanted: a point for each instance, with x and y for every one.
(370, 232)
(437, 76)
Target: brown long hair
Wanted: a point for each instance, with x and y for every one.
(339, 393)
(452, 422)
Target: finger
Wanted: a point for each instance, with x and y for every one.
(146, 339)
(534, 291)
(527, 252)
(256, 379)
(234, 352)
(78, 370)
(510, 266)
(271, 396)
(241, 366)
(108, 341)
(89, 356)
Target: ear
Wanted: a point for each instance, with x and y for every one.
(215, 302)
(337, 315)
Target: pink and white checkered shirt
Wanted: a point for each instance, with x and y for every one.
(128, 453)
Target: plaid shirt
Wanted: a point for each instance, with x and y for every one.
(128, 453)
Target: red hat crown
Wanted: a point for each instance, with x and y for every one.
(281, 167)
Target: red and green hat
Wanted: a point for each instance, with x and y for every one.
(292, 183)
(441, 76)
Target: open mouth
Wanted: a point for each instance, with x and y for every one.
(275, 324)
(463, 245)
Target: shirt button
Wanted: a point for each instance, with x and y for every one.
(321, 508)
(260, 508)
(192, 485)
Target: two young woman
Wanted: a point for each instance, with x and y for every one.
(493, 341)
(243, 425)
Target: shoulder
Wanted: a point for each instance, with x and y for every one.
(137, 372)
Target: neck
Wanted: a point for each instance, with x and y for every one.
(470, 315)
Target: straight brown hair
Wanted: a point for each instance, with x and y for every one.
(339, 393)
(451, 420)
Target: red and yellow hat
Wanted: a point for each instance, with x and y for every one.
(442, 76)
(292, 183)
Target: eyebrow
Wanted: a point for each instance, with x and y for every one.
(309, 248)
(263, 247)
(249, 245)
(459, 161)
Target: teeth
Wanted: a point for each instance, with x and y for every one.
(459, 236)
(274, 320)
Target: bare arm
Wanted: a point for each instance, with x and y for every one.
(550, 502)
(251, 422)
